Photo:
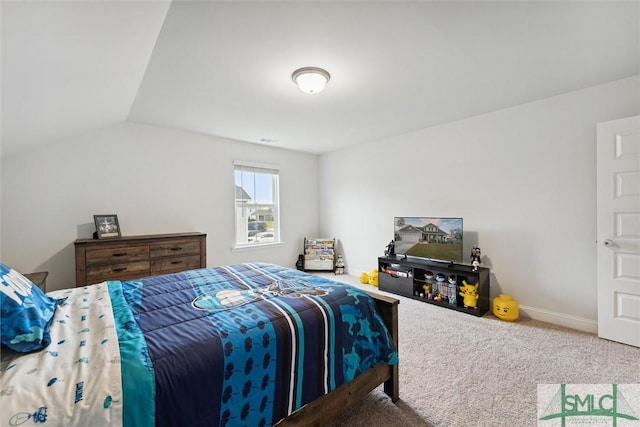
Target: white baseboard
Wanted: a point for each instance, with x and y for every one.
(561, 319)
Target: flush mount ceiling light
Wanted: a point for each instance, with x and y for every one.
(310, 79)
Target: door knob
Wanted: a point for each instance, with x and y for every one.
(608, 243)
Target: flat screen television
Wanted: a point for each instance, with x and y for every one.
(428, 237)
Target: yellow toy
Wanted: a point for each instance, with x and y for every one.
(373, 278)
(505, 308)
(364, 278)
(426, 288)
(469, 294)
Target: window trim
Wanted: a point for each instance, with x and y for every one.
(257, 166)
(263, 168)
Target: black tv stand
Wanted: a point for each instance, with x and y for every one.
(411, 277)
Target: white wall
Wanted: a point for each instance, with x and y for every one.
(523, 179)
(0, 205)
(1, 150)
(157, 181)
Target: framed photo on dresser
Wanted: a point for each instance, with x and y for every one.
(107, 226)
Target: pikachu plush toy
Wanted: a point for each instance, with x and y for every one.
(469, 294)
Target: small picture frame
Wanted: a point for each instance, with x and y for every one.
(107, 226)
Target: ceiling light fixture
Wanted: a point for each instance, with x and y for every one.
(311, 79)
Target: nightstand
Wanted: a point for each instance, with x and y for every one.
(39, 278)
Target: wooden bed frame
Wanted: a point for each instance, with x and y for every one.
(328, 407)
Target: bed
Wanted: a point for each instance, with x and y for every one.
(252, 344)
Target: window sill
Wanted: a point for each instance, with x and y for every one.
(241, 248)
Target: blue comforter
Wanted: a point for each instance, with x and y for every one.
(243, 344)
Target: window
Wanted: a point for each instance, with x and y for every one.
(256, 203)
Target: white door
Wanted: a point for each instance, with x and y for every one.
(619, 230)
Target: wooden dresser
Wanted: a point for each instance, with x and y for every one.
(134, 257)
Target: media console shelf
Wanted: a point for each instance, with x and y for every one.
(407, 276)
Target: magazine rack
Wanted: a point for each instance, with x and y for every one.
(319, 254)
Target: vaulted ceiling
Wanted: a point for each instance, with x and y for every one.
(224, 68)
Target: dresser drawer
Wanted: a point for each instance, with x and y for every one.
(173, 264)
(157, 250)
(134, 257)
(121, 271)
(117, 255)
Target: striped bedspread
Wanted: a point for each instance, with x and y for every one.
(243, 344)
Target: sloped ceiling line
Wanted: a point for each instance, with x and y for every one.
(224, 68)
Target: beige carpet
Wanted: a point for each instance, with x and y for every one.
(461, 370)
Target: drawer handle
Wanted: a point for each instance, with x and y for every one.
(120, 254)
(119, 269)
(176, 248)
(176, 262)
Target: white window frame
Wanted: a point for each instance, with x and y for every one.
(242, 206)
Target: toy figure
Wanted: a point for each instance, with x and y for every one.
(339, 265)
(300, 262)
(391, 249)
(475, 257)
(373, 278)
(364, 278)
(505, 308)
(453, 299)
(439, 285)
(469, 294)
(451, 290)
